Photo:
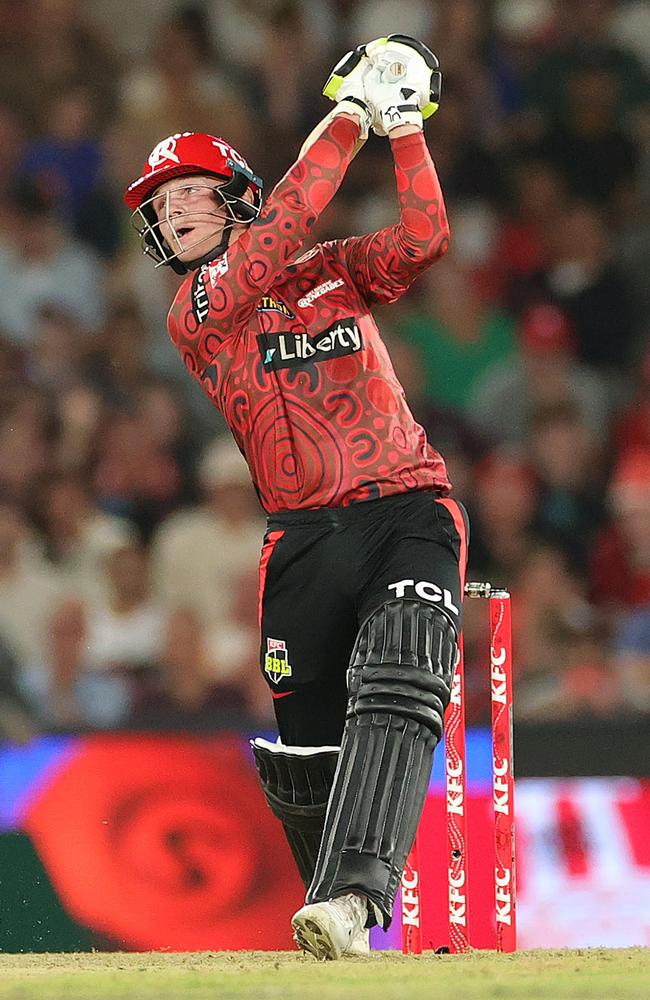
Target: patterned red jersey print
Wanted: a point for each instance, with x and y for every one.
(287, 349)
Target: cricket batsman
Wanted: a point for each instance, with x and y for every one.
(363, 559)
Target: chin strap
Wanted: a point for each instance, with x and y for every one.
(191, 265)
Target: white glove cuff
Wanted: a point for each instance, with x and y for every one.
(354, 106)
(391, 116)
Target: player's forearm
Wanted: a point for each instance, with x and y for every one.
(309, 185)
(423, 227)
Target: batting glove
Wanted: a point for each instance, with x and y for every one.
(402, 85)
(345, 86)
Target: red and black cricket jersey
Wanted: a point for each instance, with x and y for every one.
(286, 346)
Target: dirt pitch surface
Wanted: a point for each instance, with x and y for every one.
(585, 974)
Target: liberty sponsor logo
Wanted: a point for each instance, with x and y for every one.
(426, 591)
(268, 304)
(291, 350)
(315, 293)
(276, 660)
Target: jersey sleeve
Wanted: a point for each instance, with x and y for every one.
(228, 289)
(385, 263)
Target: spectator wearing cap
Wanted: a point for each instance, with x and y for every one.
(620, 569)
(205, 559)
(544, 373)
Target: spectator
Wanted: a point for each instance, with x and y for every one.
(536, 208)
(545, 373)
(584, 281)
(459, 339)
(40, 265)
(570, 506)
(188, 693)
(80, 413)
(77, 534)
(181, 82)
(62, 692)
(136, 475)
(124, 626)
(24, 444)
(563, 669)
(204, 558)
(620, 568)
(65, 164)
(30, 590)
(57, 350)
(502, 515)
(632, 658)
(598, 159)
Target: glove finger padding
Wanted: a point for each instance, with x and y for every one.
(345, 86)
(413, 72)
(346, 79)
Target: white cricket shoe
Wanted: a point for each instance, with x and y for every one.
(333, 928)
(360, 943)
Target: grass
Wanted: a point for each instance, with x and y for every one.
(583, 974)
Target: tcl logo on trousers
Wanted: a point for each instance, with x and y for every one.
(427, 591)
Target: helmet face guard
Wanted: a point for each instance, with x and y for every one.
(186, 155)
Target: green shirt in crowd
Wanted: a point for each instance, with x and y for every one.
(453, 366)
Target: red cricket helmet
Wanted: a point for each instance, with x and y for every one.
(185, 154)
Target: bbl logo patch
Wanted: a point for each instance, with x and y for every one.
(276, 661)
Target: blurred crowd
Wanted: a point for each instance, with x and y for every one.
(129, 532)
